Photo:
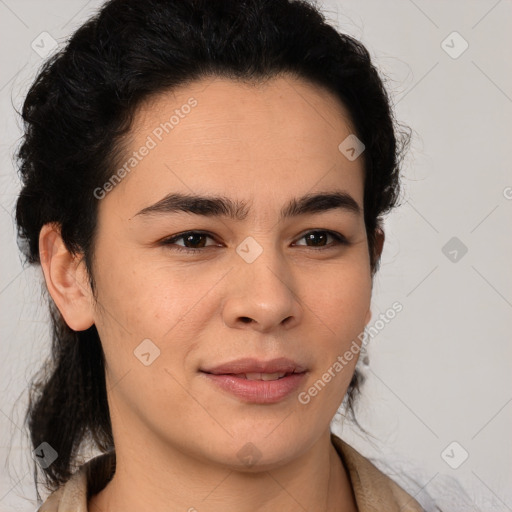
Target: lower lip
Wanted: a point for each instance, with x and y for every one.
(258, 391)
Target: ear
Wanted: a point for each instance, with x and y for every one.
(377, 252)
(379, 243)
(66, 279)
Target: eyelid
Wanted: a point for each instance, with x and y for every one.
(339, 238)
(172, 239)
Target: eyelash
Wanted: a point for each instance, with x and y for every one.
(340, 240)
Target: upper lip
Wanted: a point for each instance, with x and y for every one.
(251, 365)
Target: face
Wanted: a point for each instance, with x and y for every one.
(186, 289)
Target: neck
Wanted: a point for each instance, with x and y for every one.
(168, 480)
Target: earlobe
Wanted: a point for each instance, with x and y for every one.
(377, 252)
(379, 242)
(66, 279)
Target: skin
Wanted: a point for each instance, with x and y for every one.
(177, 436)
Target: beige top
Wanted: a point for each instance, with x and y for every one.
(373, 490)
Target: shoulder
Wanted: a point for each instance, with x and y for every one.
(372, 488)
(90, 478)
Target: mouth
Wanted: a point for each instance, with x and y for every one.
(260, 376)
(256, 381)
(252, 367)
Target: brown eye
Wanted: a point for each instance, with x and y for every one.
(319, 239)
(194, 241)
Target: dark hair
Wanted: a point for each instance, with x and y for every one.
(82, 104)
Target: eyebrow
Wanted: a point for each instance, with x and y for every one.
(221, 206)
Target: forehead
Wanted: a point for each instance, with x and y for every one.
(222, 106)
(217, 135)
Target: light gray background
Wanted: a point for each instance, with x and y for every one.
(441, 370)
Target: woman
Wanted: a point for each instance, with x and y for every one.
(204, 185)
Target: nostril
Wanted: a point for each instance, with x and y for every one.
(245, 319)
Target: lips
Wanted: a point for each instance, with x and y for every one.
(262, 376)
(253, 366)
(259, 382)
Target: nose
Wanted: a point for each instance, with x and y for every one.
(261, 295)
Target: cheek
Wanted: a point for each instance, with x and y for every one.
(143, 300)
(340, 309)
(341, 299)
(160, 303)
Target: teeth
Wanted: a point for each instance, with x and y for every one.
(263, 376)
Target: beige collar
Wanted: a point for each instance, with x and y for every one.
(373, 490)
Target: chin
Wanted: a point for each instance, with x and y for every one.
(261, 449)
